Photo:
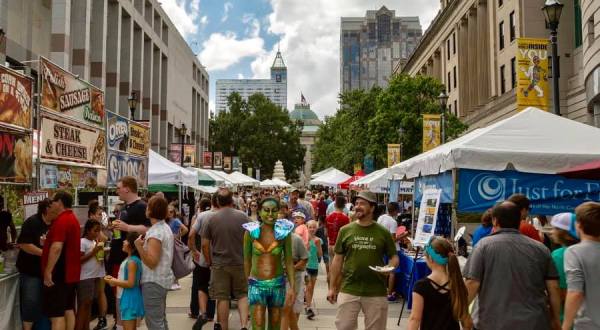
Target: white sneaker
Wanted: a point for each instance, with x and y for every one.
(175, 287)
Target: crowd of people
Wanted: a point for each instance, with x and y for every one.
(264, 249)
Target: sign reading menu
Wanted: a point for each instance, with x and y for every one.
(15, 98)
(64, 93)
(64, 141)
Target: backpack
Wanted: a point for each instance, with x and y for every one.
(183, 263)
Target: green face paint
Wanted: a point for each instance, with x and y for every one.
(268, 212)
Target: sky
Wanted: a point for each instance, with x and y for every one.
(239, 39)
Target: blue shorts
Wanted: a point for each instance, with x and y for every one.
(31, 298)
(312, 272)
(268, 293)
(130, 314)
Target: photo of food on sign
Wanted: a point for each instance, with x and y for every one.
(15, 98)
(15, 158)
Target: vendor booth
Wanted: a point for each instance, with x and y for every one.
(331, 178)
(346, 184)
(244, 180)
(520, 154)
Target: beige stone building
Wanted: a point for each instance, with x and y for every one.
(120, 46)
(310, 125)
(471, 47)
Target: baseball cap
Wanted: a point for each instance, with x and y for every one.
(298, 214)
(566, 222)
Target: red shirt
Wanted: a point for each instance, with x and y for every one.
(333, 223)
(529, 231)
(64, 229)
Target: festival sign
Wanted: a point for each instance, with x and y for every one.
(64, 141)
(549, 194)
(427, 220)
(249, 171)
(431, 131)
(117, 130)
(189, 155)
(235, 164)
(227, 164)
(15, 98)
(218, 160)
(139, 139)
(15, 158)
(175, 153)
(532, 73)
(31, 201)
(122, 164)
(207, 160)
(63, 93)
(393, 154)
(49, 176)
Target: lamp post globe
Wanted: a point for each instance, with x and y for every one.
(132, 102)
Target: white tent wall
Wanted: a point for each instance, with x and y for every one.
(163, 171)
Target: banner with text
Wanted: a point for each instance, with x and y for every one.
(189, 155)
(15, 158)
(235, 164)
(549, 194)
(68, 177)
(393, 154)
(122, 164)
(227, 164)
(175, 153)
(218, 160)
(117, 129)
(532, 73)
(431, 131)
(427, 219)
(15, 98)
(64, 93)
(61, 140)
(139, 139)
(207, 160)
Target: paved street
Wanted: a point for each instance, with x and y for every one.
(178, 302)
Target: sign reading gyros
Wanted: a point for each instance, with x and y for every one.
(63, 141)
(64, 93)
(121, 164)
(15, 98)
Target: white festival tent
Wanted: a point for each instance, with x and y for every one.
(267, 183)
(243, 179)
(376, 182)
(163, 171)
(228, 181)
(219, 181)
(318, 174)
(532, 141)
(331, 179)
(280, 183)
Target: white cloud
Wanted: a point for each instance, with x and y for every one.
(226, 8)
(221, 51)
(253, 29)
(185, 15)
(203, 21)
(310, 42)
(240, 76)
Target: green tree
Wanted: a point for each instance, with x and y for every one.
(261, 133)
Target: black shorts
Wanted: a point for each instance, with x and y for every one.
(58, 298)
(202, 276)
(312, 272)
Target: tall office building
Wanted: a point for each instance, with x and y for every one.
(274, 88)
(371, 46)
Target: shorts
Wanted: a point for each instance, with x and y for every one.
(227, 281)
(202, 278)
(298, 306)
(312, 272)
(325, 258)
(58, 299)
(86, 290)
(31, 297)
(268, 293)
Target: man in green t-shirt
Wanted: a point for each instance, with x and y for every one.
(359, 245)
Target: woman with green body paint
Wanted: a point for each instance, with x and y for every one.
(266, 244)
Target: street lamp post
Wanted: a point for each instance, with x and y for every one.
(132, 102)
(182, 132)
(443, 99)
(552, 10)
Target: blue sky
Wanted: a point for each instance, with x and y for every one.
(235, 39)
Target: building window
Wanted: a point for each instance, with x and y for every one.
(454, 43)
(454, 73)
(513, 73)
(512, 26)
(448, 49)
(590, 27)
(449, 108)
(578, 25)
(455, 109)
(501, 34)
(500, 3)
(502, 80)
(448, 83)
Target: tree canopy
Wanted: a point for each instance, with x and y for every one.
(370, 119)
(260, 133)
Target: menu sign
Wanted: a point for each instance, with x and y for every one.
(122, 164)
(64, 93)
(15, 158)
(139, 139)
(63, 141)
(15, 98)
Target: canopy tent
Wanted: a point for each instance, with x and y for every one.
(346, 184)
(589, 170)
(331, 179)
(163, 171)
(325, 171)
(280, 183)
(243, 179)
(267, 183)
(205, 178)
(224, 177)
(532, 141)
(376, 182)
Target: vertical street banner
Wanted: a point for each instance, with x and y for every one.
(189, 155)
(117, 131)
(175, 153)
(227, 164)
(369, 164)
(431, 131)
(235, 164)
(357, 167)
(15, 98)
(532, 73)
(250, 171)
(393, 154)
(207, 160)
(427, 219)
(218, 160)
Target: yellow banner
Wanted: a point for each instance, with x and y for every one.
(532, 74)
(139, 139)
(393, 154)
(357, 167)
(431, 131)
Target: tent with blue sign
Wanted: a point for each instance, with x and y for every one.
(520, 154)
